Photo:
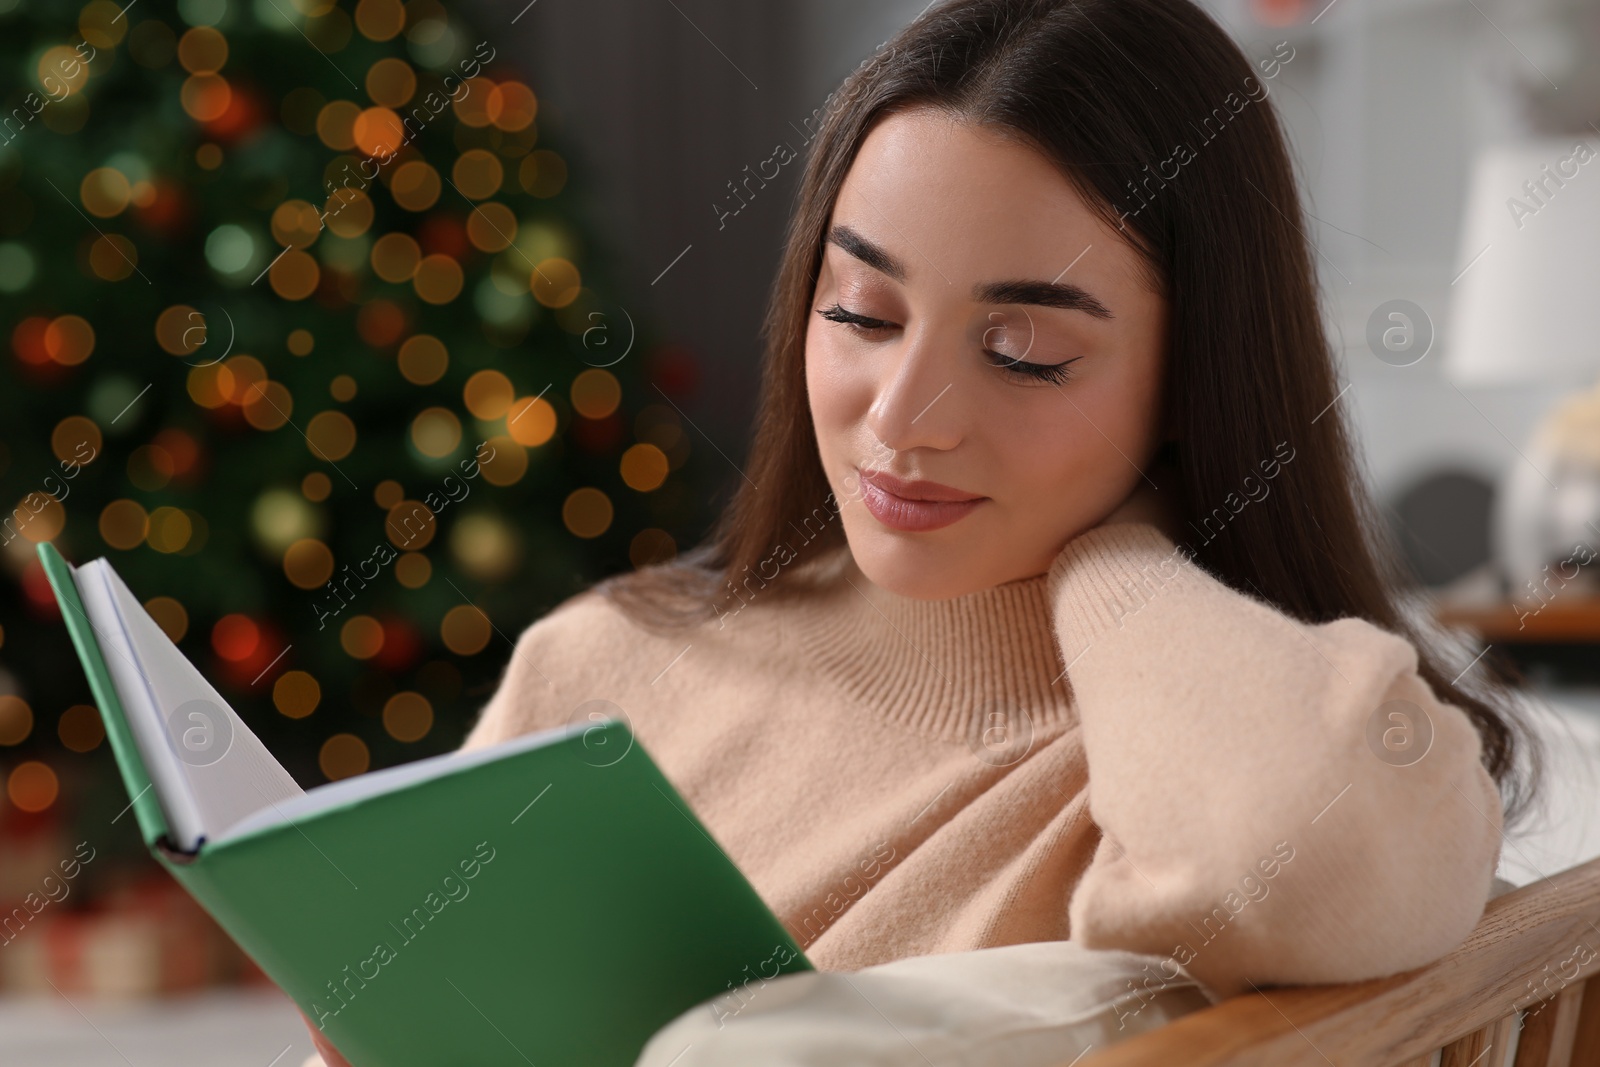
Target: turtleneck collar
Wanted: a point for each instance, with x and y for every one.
(944, 668)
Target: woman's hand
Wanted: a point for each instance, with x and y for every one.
(329, 1054)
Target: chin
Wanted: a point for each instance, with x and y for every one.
(922, 571)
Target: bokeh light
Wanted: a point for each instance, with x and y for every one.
(465, 630)
(296, 694)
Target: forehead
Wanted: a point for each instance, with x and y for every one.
(957, 202)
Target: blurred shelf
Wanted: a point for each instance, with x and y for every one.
(1567, 622)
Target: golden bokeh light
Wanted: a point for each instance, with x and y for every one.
(244, 374)
(380, 20)
(555, 282)
(488, 394)
(180, 330)
(511, 106)
(465, 630)
(69, 339)
(296, 223)
(105, 192)
(76, 439)
(423, 359)
(378, 132)
(344, 755)
(506, 464)
(472, 106)
(205, 97)
(316, 486)
(436, 432)
(80, 728)
(301, 342)
(113, 257)
(388, 493)
(102, 24)
(391, 82)
(170, 530)
(124, 524)
(268, 405)
(171, 616)
(16, 719)
(395, 255)
(49, 516)
(296, 694)
(295, 274)
(331, 435)
(342, 388)
(596, 393)
(33, 786)
(415, 185)
(410, 525)
(349, 212)
(413, 570)
(202, 50)
(478, 173)
(644, 467)
(308, 563)
(491, 227)
(438, 279)
(587, 512)
(336, 124)
(408, 716)
(61, 71)
(531, 421)
(208, 385)
(361, 636)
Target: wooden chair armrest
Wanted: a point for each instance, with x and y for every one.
(1533, 944)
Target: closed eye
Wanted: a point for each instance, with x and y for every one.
(1019, 369)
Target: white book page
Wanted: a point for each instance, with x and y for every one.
(392, 779)
(224, 768)
(167, 780)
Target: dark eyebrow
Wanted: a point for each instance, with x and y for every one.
(1063, 295)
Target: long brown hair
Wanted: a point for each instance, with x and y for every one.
(1162, 124)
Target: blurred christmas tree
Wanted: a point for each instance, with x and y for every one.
(303, 337)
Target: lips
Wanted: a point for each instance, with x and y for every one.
(914, 506)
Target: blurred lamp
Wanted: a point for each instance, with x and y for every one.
(1525, 312)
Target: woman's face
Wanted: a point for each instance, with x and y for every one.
(975, 324)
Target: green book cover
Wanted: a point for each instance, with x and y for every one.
(551, 900)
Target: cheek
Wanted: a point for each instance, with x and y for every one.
(1076, 458)
(838, 394)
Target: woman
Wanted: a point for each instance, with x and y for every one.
(1050, 494)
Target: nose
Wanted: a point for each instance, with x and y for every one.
(917, 403)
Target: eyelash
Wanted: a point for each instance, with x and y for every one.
(1054, 373)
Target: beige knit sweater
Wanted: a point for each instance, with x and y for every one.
(1122, 751)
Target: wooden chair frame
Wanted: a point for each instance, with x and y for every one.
(1522, 980)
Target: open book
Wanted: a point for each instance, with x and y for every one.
(532, 901)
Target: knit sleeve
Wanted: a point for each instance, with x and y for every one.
(1279, 802)
(528, 696)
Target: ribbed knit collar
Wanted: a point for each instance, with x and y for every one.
(944, 668)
